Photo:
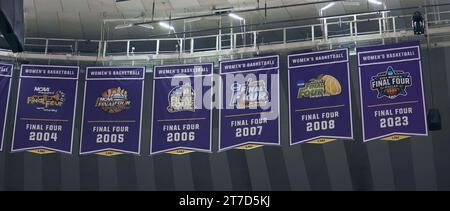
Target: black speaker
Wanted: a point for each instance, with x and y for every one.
(434, 120)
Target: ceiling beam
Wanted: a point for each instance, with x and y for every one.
(244, 11)
(297, 20)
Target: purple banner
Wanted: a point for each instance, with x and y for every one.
(392, 95)
(249, 113)
(182, 108)
(112, 110)
(5, 88)
(319, 96)
(45, 108)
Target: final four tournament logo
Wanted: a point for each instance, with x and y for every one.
(391, 84)
(46, 99)
(250, 94)
(113, 100)
(181, 98)
(322, 86)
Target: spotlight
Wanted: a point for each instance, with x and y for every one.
(147, 26)
(375, 2)
(166, 25)
(123, 26)
(237, 17)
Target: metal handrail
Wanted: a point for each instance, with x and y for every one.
(315, 33)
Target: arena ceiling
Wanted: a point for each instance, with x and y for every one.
(82, 19)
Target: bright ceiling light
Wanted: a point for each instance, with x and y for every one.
(147, 26)
(191, 20)
(123, 26)
(166, 25)
(328, 6)
(237, 17)
(375, 2)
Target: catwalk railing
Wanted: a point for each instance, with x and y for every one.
(331, 32)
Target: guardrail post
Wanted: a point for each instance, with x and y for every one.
(380, 26)
(157, 46)
(394, 26)
(46, 46)
(313, 33)
(217, 43)
(99, 49)
(76, 48)
(128, 48)
(104, 48)
(254, 39)
(351, 29)
(192, 45)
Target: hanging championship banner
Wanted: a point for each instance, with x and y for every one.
(319, 97)
(45, 109)
(112, 110)
(249, 117)
(392, 95)
(182, 109)
(5, 88)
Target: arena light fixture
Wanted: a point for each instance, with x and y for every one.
(123, 26)
(375, 2)
(237, 17)
(192, 20)
(166, 25)
(328, 6)
(147, 26)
